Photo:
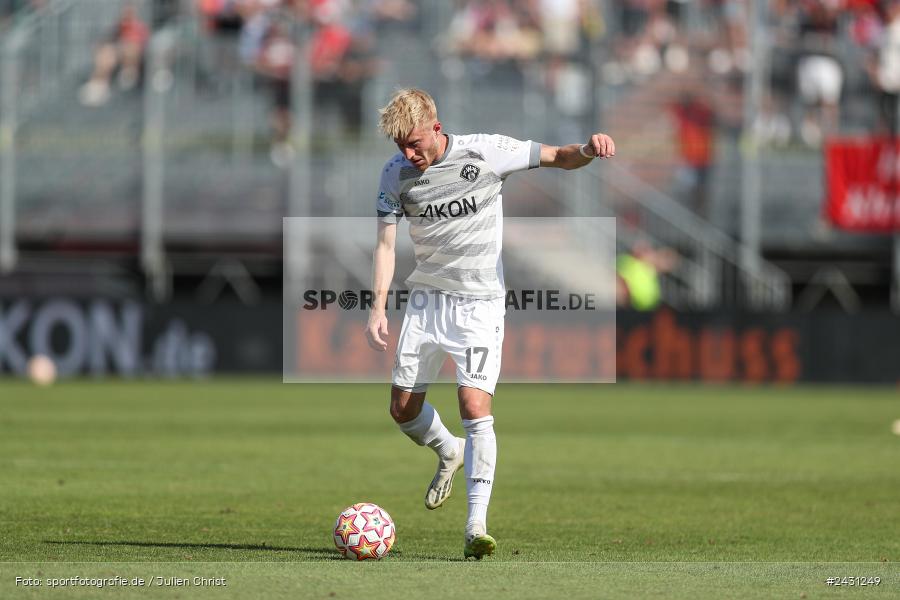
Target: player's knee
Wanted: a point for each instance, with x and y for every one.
(474, 411)
(474, 404)
(402, 411)
(405, 405)
(397, 412)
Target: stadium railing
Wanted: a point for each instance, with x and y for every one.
(714, 272)
(709, 270)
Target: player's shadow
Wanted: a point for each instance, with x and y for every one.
(427, 557)
(319, 553)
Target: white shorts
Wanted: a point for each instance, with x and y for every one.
(820, 80)
(469, 330)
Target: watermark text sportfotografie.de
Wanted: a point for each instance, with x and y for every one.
(526, 299)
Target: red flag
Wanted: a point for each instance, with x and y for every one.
(863, 185)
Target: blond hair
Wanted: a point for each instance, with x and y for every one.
(409, 108)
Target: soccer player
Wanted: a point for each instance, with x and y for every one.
(448, 187)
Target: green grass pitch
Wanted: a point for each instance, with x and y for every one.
(651, 491)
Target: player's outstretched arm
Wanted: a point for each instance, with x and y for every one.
(574, 156)
(382, 274)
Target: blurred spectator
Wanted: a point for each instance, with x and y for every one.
(220, 22)
(634, 16)
(358, 67)
(123, 51)
(391, 11)
(713, 29)
(820, 78)
(653, 36)
(341, 63)
(163, 11)
(561, 22)
(275, 61)
(695, 127)
(566, 78)
(266, 46)
(221, 16)
(255, 23)
(772, 127)
(330, 45)
(678, 12)
(866, 26)
(732, 52)
(887, 69)
(494, 31)
(658, 37)
(637, 276)
(728, 95)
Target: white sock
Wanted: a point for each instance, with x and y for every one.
(481, 457)
(428, 430)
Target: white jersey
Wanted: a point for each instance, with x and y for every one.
(455, 212)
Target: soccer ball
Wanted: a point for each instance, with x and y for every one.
(41, 370)
(364, 531)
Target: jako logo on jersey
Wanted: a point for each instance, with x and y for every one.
(454, 208)
(425, 181)
(390, 201)
(470, 172)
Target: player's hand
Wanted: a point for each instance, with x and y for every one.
(377, 331)
(600, 146)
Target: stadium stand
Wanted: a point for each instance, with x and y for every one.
(246, 133)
